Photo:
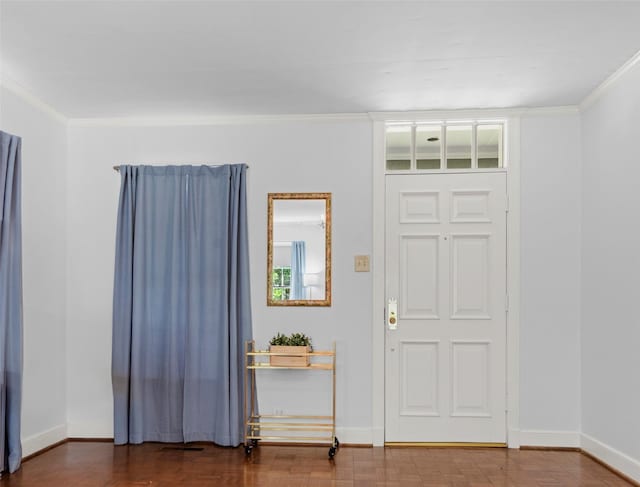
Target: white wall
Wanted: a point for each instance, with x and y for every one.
(43, 263)
(550, 280)
(335, 155)
(316, 156)
(611, 274)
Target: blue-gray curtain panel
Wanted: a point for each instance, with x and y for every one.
(181, 307)
(298, 259)
(10, 302)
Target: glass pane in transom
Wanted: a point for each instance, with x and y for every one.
(459, 146)
(398, 148)
(489, 148)
(428, 144)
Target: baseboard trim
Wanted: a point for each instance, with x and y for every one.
(62, 442)
(90, 440)
(36, 443)
(43, 450)
(551, 448)
(354, 436)
(613, 460)
(610, 468)
(554, 439)
(616, 461)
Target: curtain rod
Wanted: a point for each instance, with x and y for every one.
(117, 168)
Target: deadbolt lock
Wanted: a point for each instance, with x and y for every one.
(392, 314)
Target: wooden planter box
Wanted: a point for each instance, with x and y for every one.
(295, 356)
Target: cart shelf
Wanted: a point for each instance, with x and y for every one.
(298, 367)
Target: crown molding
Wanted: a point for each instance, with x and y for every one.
(498, 113)
(31, 99)
(607, 84)
(471, 114)
(213, 120)
(428, 115)
(543, 111)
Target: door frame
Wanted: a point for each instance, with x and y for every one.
(512, 153)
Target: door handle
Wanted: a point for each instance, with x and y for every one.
(392, 314)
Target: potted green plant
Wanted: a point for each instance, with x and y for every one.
(296, 347)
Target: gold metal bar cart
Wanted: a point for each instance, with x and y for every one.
(322, 429)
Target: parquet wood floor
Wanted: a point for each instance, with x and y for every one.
(151, 464)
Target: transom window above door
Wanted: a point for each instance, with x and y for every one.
(444, 146)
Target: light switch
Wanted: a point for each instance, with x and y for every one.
(362, 263)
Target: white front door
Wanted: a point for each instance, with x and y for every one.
(445, 363)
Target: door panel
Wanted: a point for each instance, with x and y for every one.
(419, 207)
(470, 277)
(469, 378)
(446, 266)
(419, 262)
(470, 207)
(419, 369)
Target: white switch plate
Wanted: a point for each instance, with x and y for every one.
(361, 263)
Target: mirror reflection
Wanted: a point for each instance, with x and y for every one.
(299, 249)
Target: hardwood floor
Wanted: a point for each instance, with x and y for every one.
(152, 464)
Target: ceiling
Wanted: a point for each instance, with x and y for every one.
(149, 58)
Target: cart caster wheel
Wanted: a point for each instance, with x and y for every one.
(332, 452)
(336, 443)
(247, 450)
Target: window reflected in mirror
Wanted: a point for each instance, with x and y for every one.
(299, 249)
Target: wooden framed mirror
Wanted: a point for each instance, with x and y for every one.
(299, 249)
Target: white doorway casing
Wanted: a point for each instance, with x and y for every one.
(512, 157)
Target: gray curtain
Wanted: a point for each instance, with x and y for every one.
(298, 258)
(181, 307)
(10, 302)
